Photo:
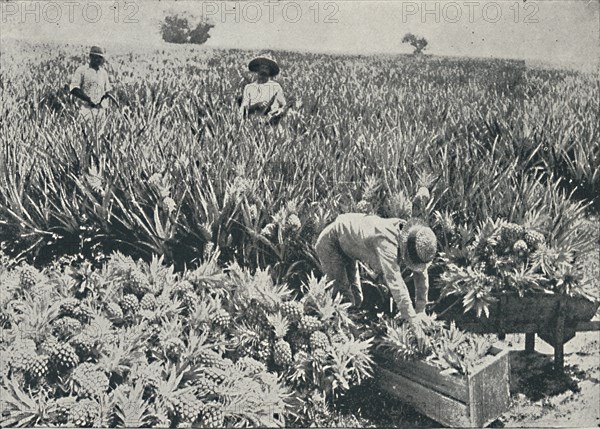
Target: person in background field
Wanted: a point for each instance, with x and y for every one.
(263, 97)
(90, 83)
(385, 246)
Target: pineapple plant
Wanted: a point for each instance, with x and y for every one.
(510, 233)
(206, 386)
(148, 302)
(63, 356)
(299, 342)
(222, 319)
(28, 277)
(83, 312)
(293, 310)
(190, 301)
(293, 223)
(520, 248)
(68, 306)
(210, 358)
(84, 413)
(255, 316)
(250, 366)
(282, 351)
(319, 340)
(89, 380)
(130, 304)
(309, 324)
(85, 344)
(37, 368)
(66, 327)
(263, 351)
(212, 416)
(187, 407)
(137, 283)
(22, 354)
(181, 288)
(535, 240)
(113, 311)
(5, 319)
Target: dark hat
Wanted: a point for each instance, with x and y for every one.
(97, 51)
(417, 244)
(264, 60)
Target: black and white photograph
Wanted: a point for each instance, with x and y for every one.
(299, 213)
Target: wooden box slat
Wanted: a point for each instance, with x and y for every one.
(428, 375)
(472, 400)
(439, 407)
(489, 389)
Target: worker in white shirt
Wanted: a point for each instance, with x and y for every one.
(264, 97)
(90, 84)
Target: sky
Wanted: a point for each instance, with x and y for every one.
(565, 31)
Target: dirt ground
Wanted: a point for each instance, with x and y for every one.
(539, 398)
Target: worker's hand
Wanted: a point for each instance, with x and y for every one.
(276, 112)
(417, 323)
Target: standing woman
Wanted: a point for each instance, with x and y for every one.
(263, 97)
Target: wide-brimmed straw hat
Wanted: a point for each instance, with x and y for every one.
(417, 244)
(264, 60)
(97, 51)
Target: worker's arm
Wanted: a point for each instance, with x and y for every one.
(421, 290)
(387, 253)
(76, 84)
(279, 102)
(107, 91)
(243, 110)
(78, 92)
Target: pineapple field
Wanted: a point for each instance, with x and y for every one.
(158, 267)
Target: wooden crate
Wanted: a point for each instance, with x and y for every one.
(473, 400)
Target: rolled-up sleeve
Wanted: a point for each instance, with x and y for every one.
(387, 253)
(76, 79)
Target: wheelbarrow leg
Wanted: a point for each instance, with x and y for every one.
(559, 339)
(530, 342)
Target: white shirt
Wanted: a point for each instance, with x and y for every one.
(255, 93)
(94, 83)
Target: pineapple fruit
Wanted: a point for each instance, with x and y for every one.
(89, 380)
(520, 248)
(188, 407)
(534, 239)
(318, 340)
(309, 324)
(282, 351)
(510, 233)
(222, 318)
(63, 356)
(148, 302)
(28, 277)
(263, 351)
(22, 354)
(84, 413)
(37, 368)
(66, 328)
(138, 283)
(212, 416)
(293, 310)
(130, 304)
